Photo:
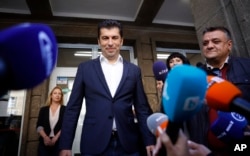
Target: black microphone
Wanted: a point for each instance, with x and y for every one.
(199, 64)
(28, 54)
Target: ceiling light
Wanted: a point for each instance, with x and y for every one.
(83, 53)
(162, 56)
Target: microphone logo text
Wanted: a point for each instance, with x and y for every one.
(46, 51)
(191, 103)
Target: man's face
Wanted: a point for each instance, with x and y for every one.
(110, 42)
(216, 45)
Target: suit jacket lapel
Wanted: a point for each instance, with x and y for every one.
(124, 75)
(100, 75)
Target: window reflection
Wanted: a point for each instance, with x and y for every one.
(11, 114)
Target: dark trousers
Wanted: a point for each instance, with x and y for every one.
(47, 150)
(114, 148)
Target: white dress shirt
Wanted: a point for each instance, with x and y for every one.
(113, 74)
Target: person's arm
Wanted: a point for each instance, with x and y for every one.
(40, 127)
(46, 138)
(56, 137)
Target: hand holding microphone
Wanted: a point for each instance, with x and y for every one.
(183, 96)
(28, 53)
(157, 124)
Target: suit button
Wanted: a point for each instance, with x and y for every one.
(110, 117)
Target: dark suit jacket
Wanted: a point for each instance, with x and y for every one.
(43, 120)
(101, 109)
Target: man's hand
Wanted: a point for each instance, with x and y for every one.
(65, 153)
(150, 150)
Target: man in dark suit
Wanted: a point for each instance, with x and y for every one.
(110, 86)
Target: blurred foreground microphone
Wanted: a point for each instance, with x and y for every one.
(223, 95)
(229, 126)
(160, 71)
(28, 53)
(157, 120)
(183, 95)
(184, 92)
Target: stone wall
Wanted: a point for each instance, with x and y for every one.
(233, 14)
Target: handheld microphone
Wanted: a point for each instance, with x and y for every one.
(223, 95)
(184, 92)
(199, 64)
(155, 120)
(183, 95)
(229, 126)
(160, 70)
(28, 53)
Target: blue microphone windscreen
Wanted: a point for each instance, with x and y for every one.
(160, 70)
(229, 126)
(184, 92)
(29, 53)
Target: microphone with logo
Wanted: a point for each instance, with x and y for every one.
(183, 96)
(160, 71)
(225, 96)
(156, 123)
(156, 120)
(28, 53)
(229, 126)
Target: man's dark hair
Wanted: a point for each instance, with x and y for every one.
(109, 23)
(178, 55)
(223, 29)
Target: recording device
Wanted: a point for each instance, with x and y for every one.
(229, 126)
(160, 70)
(156, 120)
(28, 53)
(183, 95)
(223, 95)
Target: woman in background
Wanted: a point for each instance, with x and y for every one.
(176, 59)
(49, 123)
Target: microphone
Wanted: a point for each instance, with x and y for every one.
(160, 70)
(184, 92)
(229, 126)
(28, 53)
(223, 95)
(155, 120)
(183, 95)
(199, 64)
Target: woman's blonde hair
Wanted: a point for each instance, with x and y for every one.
(49, 99)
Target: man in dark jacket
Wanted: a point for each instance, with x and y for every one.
(216, 47)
